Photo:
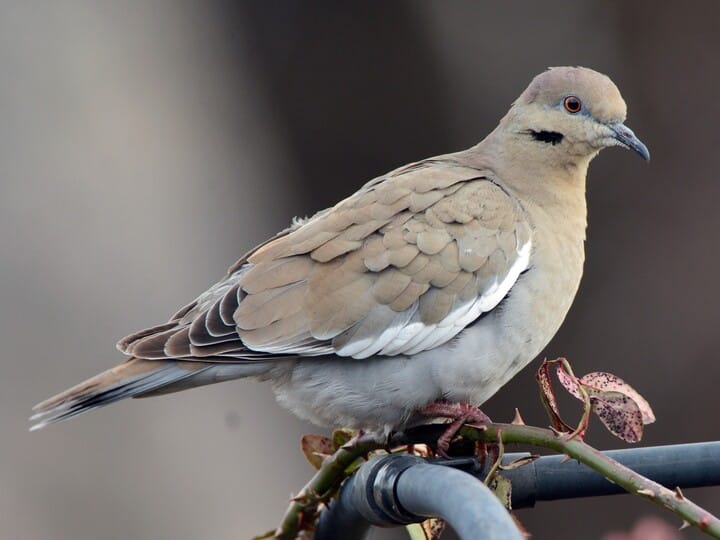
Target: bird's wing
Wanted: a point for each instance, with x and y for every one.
(400, 267)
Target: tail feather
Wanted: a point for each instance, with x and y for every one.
(129, 379)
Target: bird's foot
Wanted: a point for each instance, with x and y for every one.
(459, 414)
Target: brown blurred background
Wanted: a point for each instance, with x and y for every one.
(144, 146)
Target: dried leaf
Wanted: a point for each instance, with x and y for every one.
(547, 394)
(620, 414)
(502, 488)
(422, 450)
(608, 382)
(430, 529)
(433, 527)
(316, 449)
(618, 405)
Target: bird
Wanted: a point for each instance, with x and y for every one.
(421, 294)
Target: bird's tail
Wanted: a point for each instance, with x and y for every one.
(132, 378)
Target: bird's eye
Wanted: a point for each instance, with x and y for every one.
(572, 104)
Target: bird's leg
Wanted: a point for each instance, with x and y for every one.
(459, 414)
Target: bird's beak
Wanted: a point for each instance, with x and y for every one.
(625, 136)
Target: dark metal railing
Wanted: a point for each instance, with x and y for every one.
(397, 489)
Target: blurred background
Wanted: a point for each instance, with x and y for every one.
(144, 146)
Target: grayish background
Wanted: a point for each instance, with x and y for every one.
(144, 146)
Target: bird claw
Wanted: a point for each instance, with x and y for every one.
(459, 414)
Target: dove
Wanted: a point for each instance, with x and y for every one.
(419, 295)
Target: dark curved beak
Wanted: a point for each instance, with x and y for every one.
(625, 136)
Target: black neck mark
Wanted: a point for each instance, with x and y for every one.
(552, 137)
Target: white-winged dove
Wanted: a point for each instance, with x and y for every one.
(434, 283)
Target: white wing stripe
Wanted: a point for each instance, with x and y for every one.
(415, 336)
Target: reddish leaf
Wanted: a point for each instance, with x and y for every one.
(547, 394)
(620, 414)
(316, 449)
(618, 405)
(607, 382)
(569, 382)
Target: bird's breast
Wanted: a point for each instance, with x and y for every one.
(490, 352)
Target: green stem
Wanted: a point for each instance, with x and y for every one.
(628, 479)
(326, 480)
(332, 472)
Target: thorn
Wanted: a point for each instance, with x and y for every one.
(679, 493)
(519, 462)
(518, 420)
(565, 459)
(647, 492)
(685, 525)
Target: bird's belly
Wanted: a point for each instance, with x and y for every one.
(380, 394)
(489, 353)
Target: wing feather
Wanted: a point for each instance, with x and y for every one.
(400, 267)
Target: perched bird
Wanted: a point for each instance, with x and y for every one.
(426, 290)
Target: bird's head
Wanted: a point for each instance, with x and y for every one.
(571, 113)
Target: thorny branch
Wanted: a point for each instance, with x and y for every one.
(332, 472)
(619, 406)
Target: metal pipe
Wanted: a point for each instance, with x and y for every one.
(399, 489)
(468, 506)
(551, 478)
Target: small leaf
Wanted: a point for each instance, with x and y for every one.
(547, 394)
(316, 449)
(618, 405)
(430, 529)
(502, 488)
(569, 382)
(415, 531)
(620, 414)
(608, 382)
(342, 436)
(433, 528)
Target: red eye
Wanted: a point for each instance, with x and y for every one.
(572, 104)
